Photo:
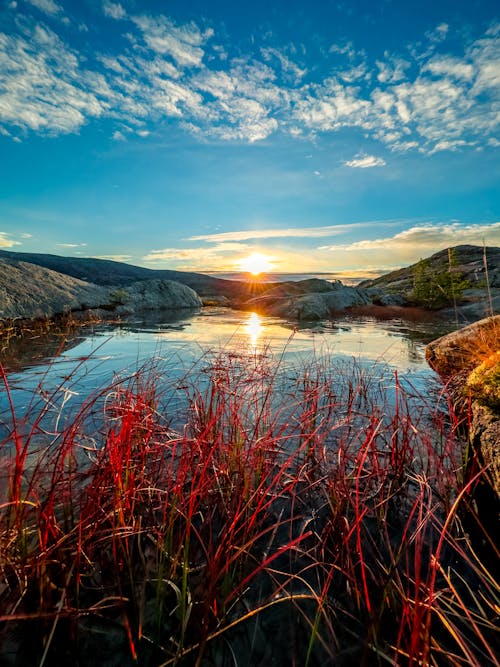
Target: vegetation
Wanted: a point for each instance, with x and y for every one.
(307, 517)
(437, 289)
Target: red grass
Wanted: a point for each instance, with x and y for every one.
(311, 521)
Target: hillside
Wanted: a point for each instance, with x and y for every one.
(108, 272)
(470, 265)
(28, 291)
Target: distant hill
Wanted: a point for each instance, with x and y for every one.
(108, 272)
(470, 265)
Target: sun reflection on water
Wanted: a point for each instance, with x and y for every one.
(253, 329)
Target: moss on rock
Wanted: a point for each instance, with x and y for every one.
(484, 382)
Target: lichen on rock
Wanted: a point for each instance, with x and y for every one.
(483, 382)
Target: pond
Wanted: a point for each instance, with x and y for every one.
(180, 344)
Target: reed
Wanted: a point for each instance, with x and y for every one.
(249, 514)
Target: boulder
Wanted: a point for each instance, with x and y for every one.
(469, 361)
(381, 297)
(150, 295)
(461, 350)
(29, 291)
(314, 306)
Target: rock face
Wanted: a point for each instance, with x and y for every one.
(29, 291)
(308, 300)
(149, 295)
(469, 360)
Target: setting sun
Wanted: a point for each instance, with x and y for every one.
(256, 263)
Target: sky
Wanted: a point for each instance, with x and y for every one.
(349, 137)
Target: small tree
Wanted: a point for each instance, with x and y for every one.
(437, 289)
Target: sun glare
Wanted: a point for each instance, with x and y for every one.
(256, 263)
(253, 328)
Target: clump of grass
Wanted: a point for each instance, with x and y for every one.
(283, 516)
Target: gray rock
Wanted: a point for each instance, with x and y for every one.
(150, 295)
(315, 306)
(29, 291)
(381, 297)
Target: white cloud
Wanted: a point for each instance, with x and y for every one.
(119, 136)
(439, 102)
(365, 162)
(42, 84)
(429, 238)
(71, 245)
(6, 242)
(182, 43)
(449, 66)
(114, 10)
(288, 66)
(223, 256)
(392, 69)
(25, 235)
(289, 232)
(46, 6)
(114, 258)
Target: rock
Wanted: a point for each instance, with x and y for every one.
(469, 361)
(461, 350)
(476, 306)
(216, 300)
(29, 291)
(315, 306)
(149, 295)
(484, 382)
(485, 435)
(381, 297)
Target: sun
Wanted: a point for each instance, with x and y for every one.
(256, 263)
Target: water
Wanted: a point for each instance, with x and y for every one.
(181, 345)
(284, 277)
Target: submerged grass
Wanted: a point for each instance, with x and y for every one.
(281, 516)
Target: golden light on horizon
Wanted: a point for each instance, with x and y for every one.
(256, 263)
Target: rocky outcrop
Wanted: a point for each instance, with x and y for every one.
(469, 361)
(150, 295)
(293, 301)
(477, 270)
(381, 297)
(28, 291)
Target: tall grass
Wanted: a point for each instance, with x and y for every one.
(280, 516)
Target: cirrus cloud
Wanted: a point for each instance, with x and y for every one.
(365, 162)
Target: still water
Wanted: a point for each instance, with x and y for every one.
(180, 345)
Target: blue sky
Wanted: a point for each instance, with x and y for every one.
(337, 136)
